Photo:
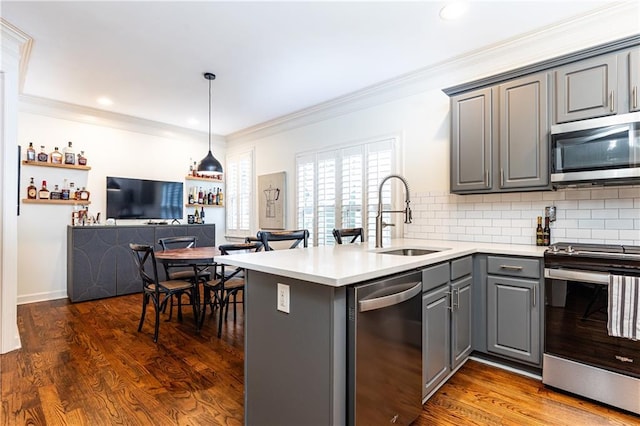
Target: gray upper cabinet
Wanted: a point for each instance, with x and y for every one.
(587, 89)
(634, 79)
(471, 136)
(499, 137)
(524, 132)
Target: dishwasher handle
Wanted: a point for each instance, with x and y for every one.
(390, 299)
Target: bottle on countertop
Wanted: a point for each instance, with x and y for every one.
(197, 216)
(201, 214)
(32, 191)
(546, 232)
(55, 193)
(69, 155)
(31, 152)
(82, 160)
(43, 157)
(56, 156)
(539, 232)
(43, 194)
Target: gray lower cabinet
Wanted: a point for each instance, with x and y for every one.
(499, 137)
(514, 308)
(100, 263)
(446, 320)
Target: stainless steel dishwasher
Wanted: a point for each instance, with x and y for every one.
(385, 351)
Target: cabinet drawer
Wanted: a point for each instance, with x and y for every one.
(461, 267)
(435, 276)
(513, 266)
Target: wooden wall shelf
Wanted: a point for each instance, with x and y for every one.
(204, 205)
(59, 202)
(59, 166)
(204, 179)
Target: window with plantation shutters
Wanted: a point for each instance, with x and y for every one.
(339, 189)
(239, 186)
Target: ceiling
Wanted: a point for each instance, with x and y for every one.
(270, 58)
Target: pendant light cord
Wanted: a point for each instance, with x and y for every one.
(209, 115)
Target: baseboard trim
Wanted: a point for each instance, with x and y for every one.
(506, 367)
(41, 297)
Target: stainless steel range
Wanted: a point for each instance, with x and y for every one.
(580, 356)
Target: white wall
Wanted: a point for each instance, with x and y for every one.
(414, 107)
(42, 229)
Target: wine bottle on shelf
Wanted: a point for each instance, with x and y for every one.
(56, 156)
(55, 193)
(32, 191)
(31, 152)
(43, 194)
(200, 196)
(82, 160)
(43, 157)
(190, 200)
(539, 232)
(197, 216)
(69, 155)
(546, 232)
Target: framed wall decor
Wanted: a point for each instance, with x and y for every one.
(272, 196)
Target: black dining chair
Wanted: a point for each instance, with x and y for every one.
(354, 233)
(295, 237)
(178, 271)
(231, 283)
(159, 292)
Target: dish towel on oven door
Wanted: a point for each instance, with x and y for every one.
(624, 307)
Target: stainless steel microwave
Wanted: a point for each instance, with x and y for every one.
(598, 151)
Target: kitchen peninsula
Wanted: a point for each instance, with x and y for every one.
(296, 361)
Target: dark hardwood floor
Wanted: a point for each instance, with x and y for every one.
(85, 364)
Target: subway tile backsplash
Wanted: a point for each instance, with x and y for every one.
(608, 215)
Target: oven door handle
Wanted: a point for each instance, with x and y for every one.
(573, 275)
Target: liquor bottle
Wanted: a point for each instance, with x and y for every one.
(75, 195)
(539, 232)
(195, 169)
(31, 152)
(43, 157)
(82, 160)
(83, 194)
(201, 214)
(72, 191)
(56, 156)
(197, 216)
(221, 197)
(200, 195)
(546, 232)
(69, 155)
(190, 201)
(55, 194)
(217, 197)
(43, 194)
(210, 197)
(64, 194)
(32, 191)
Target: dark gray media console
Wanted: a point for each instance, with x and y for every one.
(100, 263)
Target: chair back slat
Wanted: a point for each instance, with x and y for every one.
(354, 233)
(177, 242)
(145, 257)
(296, 237)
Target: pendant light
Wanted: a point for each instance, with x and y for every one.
(209, 165)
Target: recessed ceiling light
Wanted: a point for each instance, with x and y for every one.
(193, 122)
(103, 100)
(454, 10)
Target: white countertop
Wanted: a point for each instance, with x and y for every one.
(346, 264)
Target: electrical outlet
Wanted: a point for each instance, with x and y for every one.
(283, 298)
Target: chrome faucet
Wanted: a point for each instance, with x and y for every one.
(380, 225)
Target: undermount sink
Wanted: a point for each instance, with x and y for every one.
(409, 251)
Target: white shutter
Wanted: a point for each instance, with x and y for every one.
(339, 189)
(239, 183)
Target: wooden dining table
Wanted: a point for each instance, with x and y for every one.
(198, 257)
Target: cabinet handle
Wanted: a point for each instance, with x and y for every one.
(611, 101)
(501, 176)
(534, 295)
(511, 267)
(450, 294)
(486, 178)
(457, 304)
(634, 96)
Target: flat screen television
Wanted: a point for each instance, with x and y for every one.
(143, 199)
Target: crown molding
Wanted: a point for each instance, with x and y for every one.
(550, 41)
(67, 111)
(24, 42)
